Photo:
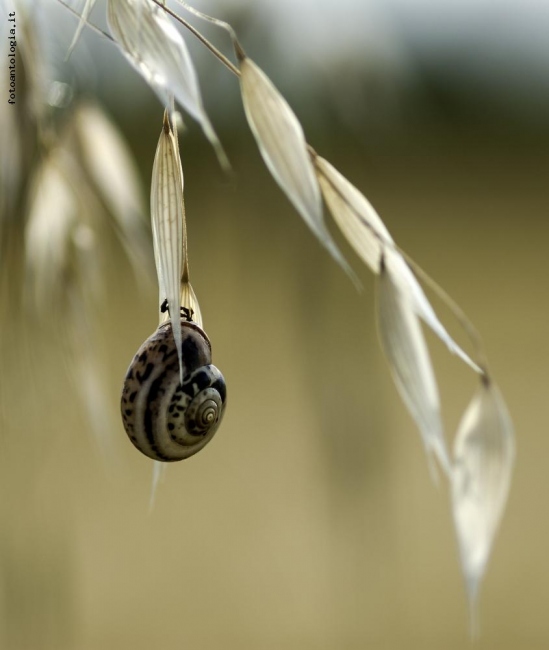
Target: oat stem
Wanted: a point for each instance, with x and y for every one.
(93, 27)
(210, 19)
(200, 37)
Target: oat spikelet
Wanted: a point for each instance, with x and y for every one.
(156, 49)
(408, 356)
(281, 142)
(168, 218)
(484, 455)
(368, 235)
(169, 228)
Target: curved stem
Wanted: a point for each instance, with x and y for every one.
(200, 37)
(86, 22)
(210, 19)
(456, 310)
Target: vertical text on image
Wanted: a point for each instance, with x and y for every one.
(11, 57)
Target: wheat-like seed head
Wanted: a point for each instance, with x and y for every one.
(480, 467)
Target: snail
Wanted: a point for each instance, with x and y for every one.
(165, 419)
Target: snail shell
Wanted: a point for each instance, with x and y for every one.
(165, 419)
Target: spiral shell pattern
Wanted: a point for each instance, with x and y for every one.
(165, 419)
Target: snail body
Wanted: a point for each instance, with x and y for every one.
(165, 419)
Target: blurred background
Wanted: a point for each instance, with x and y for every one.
(310, 521)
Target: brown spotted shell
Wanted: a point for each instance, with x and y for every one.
(165, 419)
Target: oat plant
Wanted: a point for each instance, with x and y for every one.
(478, 468)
